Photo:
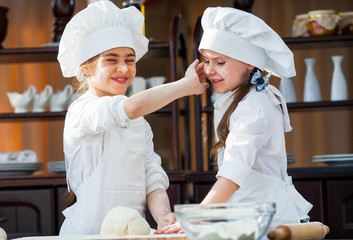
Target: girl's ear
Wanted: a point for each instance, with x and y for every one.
(85, 69)
(250, 67)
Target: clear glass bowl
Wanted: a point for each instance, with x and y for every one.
(226, 220)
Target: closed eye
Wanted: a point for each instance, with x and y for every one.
(130, 60)
(111, 60)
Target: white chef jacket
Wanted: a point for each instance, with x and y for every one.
(110, 161)
(255, 155)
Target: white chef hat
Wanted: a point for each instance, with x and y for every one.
(100, 27)
(247, 38)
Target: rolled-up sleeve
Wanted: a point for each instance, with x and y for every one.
(156, 177)
(249, 132)
(91, 115)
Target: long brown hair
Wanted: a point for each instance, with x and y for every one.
(70, 198)
(223, 126)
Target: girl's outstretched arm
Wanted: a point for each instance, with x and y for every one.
(152, 99)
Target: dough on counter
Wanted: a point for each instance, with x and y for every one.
(124, 221)
(3, 235)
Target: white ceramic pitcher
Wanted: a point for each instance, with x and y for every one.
(41, 100)
(21, 102)
(60, 99)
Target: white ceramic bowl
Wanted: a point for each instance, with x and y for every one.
(225, 221)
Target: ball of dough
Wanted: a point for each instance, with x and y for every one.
(124, 221)
(3, 235)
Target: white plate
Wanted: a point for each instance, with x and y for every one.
(290, 161)
(58, 166)
(20, 166)
(331, 156)
(338, 162)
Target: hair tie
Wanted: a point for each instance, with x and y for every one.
(257, 79)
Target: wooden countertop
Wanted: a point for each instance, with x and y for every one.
(59, 179)
(296, 173)
(56, 179)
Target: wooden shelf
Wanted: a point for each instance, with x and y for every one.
(28, 55)
(308, 106)
(322, 105)
(32, 116)
(49, 54)
(46, 116)
(319, 42)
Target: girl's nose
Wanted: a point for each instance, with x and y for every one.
(210, 69)
(122, 68)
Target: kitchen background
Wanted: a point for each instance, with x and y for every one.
(315, 132)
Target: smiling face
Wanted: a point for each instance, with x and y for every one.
(225, 73)
(113, 72)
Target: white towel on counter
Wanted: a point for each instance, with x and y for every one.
(24, 156)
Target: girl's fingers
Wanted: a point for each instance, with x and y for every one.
(205, 85)
(195, 63)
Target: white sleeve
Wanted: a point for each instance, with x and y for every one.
(249, 132)
(91, 115)
(156, 177)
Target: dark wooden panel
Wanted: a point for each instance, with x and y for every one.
(200, 191)
(340, 208)
(312, 191)
(174, 194)
(61, 193)
(27, 212)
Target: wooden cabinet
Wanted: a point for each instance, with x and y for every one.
(340, 207)
(312, 191)
(60, 205)
(330, 190)
(29, 205)
(27, 212)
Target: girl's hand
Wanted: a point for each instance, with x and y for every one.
(167, 220)
(200, 72)
(173, 228)
(193, 79)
